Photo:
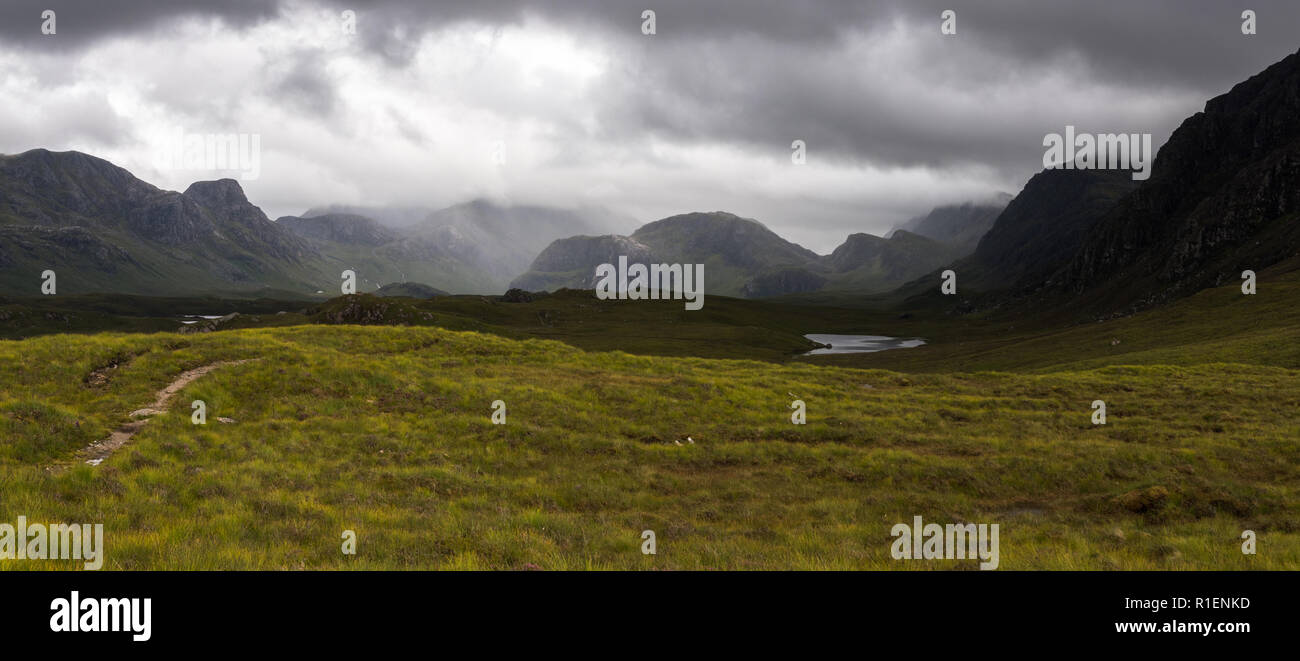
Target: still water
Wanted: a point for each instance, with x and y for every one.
(860, 343)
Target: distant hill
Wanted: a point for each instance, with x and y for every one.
(480, 244)
(570, 262)
(390, 217)
(742, 257)
(101, 229)
(339, 228)
(960, 226)
(506, 238)
(869, 263)
(380, 255)
(734, 251)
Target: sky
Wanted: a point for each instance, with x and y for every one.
(569, 103)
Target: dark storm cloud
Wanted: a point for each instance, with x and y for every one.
(1158, 40)
(86, 20)
(765, 72)
(81, 23)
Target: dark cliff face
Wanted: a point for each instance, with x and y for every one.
(1043, 227)
(1223, 197)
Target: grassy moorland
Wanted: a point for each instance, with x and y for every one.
(1217, 325)
(386, 430)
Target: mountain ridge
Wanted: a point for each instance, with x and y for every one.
(742, 257)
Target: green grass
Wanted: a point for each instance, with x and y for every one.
(386, 431)
(1215, 325)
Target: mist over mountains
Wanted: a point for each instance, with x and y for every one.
(1223, 198)
(103, 230)
(742, 257)
(958, 225)
(475, 247)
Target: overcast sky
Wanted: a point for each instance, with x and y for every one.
(568, 103)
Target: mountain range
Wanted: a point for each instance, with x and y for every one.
(1223, 198)
(742, 257)
(100, 229)
(487, 243)
(103, 230)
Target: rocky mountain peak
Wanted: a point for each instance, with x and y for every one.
(221, 193)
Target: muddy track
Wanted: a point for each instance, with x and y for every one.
(100, 451)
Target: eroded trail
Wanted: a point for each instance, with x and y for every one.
(97, 452)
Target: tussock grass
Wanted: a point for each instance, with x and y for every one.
(386, 431)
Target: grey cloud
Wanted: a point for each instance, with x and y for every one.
(1162, 41)
(306, 85)
(81, 23)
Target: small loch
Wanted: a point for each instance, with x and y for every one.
(860, 343)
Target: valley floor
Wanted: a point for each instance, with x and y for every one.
(387, 431)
